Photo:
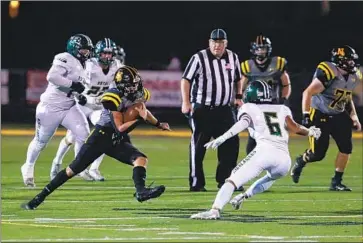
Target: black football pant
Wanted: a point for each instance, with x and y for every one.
(100, 142)
(338, 126)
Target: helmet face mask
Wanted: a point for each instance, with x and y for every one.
(104, 51)
(129, 82)
(261, 48)
(345, 58)
(80, 46)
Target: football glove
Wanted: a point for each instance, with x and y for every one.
(215, 143)
(78, 87)
(314, 132)
(82, 100)
(306, 120)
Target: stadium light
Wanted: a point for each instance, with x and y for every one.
(14, 9)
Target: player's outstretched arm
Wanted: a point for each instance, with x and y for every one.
(238, 127)
(150, 118)
(295, 127)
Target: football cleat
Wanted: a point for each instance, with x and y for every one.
(86, 176)
(28, 175)
(96, 175)
(338, 186)
(210, 214)
(149, 193)
(33, 204)
(297, 169)
(237, 201)
(56, 168)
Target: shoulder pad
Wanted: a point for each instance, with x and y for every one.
(280, 63)
(328, 69)
(360, 74)
(62, 59)
(245, 67)
(244, 109)
(113, 97)
(147, 94)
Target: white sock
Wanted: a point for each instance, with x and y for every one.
(96, 164)
(62, 150)
(223, 196)
(260, 185)
(32, 153)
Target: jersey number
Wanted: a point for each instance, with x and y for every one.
(96, 91)
(341, 95)
(274, 127)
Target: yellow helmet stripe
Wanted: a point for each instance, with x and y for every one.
(113, 95)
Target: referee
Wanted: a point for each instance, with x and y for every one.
(207, 88)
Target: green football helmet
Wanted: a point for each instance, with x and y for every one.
(105, 45)
(258, 92)
(78, 42)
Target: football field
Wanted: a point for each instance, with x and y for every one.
(83, 211)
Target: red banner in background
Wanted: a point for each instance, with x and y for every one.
(36, 85)
(164, 87)
(4, 87)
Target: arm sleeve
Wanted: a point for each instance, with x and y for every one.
(56, 75)
(191, 69)
(238, 127)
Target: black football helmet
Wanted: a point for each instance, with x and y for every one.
(345, 58)
(129, 83)
(261, 48)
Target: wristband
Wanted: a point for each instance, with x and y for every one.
(157, 124)
(239, 96)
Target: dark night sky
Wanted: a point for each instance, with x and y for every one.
(151, 31)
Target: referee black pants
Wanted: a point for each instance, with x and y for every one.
(207, 122)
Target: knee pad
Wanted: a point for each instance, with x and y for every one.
(309, 156)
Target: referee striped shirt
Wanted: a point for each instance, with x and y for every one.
(212, 79)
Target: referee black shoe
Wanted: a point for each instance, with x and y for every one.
(148, 193)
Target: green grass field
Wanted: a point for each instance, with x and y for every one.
(107, 211)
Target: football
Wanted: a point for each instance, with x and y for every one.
(131, 113)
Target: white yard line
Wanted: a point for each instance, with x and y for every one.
(191, 233)
(184, 200)
(102, 188)
(44, 220)
(254, 238)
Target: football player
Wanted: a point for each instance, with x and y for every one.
(324, 105)
(271, 123)
(271, 69)
(107, 137)
(101, 70)
(120, 54)
(57, 104)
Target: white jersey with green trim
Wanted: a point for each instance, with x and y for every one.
(98, 81)
(267, 123)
